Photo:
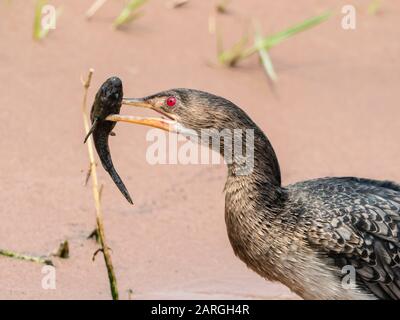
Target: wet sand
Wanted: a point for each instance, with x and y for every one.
(334, 112)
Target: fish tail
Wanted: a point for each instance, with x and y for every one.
(121, 186)
(103, 150)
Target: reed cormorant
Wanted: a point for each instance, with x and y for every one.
(309, 235)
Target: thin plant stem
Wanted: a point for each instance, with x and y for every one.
(20, 256)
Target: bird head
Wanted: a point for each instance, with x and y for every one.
(189, 111)
(184, 109)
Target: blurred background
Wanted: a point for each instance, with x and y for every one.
(331, 111)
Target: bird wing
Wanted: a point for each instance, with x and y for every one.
(357, 222)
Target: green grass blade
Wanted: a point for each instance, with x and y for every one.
(37, 22)
(238, 52)
(231, 56)
(128, 13)
(266, 59)
(374, 7)
(271, 41)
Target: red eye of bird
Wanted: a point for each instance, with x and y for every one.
(171, 101)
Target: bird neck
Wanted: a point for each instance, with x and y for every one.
(256, 159)
(259, 187)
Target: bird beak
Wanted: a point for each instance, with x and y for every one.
(160, 123)
(137, 102)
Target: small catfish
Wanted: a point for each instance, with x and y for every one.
(108, 101)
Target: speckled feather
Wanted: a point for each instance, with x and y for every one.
(356, 222)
